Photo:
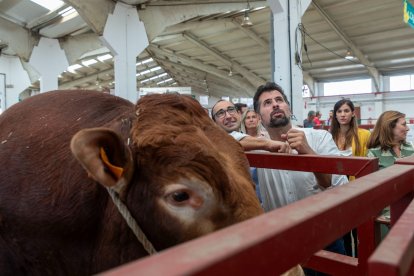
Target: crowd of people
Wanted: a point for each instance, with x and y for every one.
(314, 119)
(268, 126)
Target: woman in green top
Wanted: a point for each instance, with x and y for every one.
(388, 139)
(387, 142)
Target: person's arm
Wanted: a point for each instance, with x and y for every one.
(296, 138)
(323, 179)
(252, 143)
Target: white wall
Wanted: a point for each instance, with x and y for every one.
(17, 79)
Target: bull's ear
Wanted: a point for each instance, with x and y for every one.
(104, 155)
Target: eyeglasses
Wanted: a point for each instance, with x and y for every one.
(222, 112)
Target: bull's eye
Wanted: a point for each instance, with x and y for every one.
(180, 196)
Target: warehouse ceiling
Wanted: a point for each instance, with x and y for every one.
(210, 51)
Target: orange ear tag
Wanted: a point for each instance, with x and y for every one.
(117, 171)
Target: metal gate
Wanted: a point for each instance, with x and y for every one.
(272, 243)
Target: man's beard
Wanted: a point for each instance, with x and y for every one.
(278, 122)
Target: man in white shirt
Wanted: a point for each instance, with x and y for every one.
(281, 187)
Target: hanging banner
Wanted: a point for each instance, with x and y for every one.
(408, 13)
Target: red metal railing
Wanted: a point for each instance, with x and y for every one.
(364, 126)
(357, 166)
(280, 239)
(395, 254)
(326, 261)
(367, 126)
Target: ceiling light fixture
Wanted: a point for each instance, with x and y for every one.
(349, 54)
(246, 19)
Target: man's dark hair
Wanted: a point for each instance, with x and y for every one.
(212, 110)
(269, 86)
(311, 113)
(239, 106)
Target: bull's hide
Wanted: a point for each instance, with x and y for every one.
(177, 172)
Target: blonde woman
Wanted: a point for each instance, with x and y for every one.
(251, 124)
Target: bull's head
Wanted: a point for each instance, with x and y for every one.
(181, 172)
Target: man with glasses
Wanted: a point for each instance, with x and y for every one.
(225, 114)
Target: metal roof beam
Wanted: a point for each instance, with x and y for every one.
(310, 82)
(20, 41)
(241, 83)
(181, 11)
(200, 76)
(77, 46)
(250, 33)
(236, 67)
(95, 75)
(166, 37)
(44, 20)
(94, 12)
(82, 80)
(188, 26)
(189, 72)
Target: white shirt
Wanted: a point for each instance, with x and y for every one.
(238, 135)
(347, 152)
(281, 187)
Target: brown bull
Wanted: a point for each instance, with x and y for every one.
(179, 175)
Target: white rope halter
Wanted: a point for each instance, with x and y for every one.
(142, 238)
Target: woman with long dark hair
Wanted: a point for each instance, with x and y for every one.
(351, 141)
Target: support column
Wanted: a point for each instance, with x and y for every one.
(2, 92)
(14, 80)
(379, 104)
(386, 84)
(126, 37)
(287, 15)
(49, 60)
